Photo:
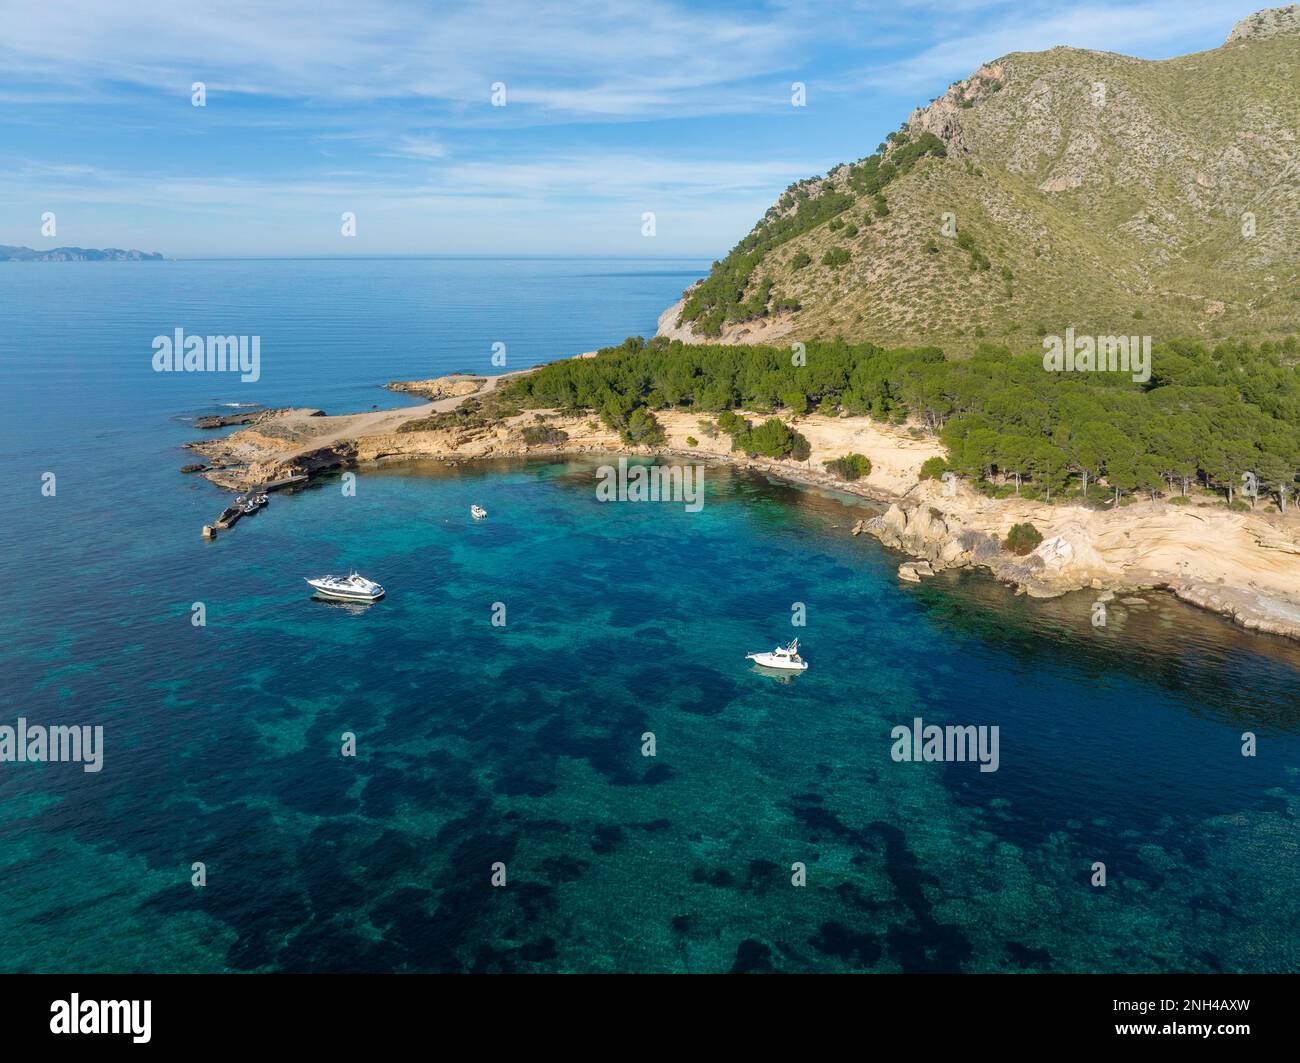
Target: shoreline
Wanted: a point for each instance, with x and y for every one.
(1244, 566)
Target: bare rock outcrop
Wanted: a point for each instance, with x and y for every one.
(940, 541)
(1271, 22)
(944, 117)
(454, 385)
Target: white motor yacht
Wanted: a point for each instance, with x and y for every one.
(477, 512)
(784, 657)
(350, 588)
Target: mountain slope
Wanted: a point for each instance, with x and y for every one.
(1114, 194)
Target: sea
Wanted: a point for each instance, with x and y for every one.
(545, 749)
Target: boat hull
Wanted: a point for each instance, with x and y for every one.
(783, 664)
(342, 596)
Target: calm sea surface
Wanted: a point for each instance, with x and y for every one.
(522, 744)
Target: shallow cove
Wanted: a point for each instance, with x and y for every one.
(522, 744)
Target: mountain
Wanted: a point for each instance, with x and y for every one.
(1114, 194)
(76, 254)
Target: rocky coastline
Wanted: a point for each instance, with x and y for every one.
(1245, 566)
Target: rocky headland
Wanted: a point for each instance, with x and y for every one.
(1244, 565)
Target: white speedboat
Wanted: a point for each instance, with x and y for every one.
(477, 512)
(785, 658)
(349, 588)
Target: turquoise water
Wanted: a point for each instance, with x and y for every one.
(522, 744)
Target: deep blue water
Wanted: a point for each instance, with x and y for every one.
(521, 744)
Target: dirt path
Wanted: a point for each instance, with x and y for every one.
(377, 422)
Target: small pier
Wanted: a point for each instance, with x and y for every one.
(229, 516)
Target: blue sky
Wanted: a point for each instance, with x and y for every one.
(383, 108)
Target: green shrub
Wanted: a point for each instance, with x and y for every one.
(1023, 539)
(536, 434)
(731, 422)
(642, 429)
(800, 260)
(772, 439)
(850, 466)
(933, 468)
(691, 441)
(835, 257)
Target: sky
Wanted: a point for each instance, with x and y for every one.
(384, 109)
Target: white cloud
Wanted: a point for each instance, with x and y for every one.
(419, 148)
(626, 177)
(1152, 28)
(383, 108)
(572, 203)
(599, 56)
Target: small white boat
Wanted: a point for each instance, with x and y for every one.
(261, 499)
(349, 588)
(784, 657)
(477, 512)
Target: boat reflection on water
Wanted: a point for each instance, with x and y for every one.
(351, 608)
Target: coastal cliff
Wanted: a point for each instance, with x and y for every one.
(1243, 566)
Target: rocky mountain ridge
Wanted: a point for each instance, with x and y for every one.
(1070, 187)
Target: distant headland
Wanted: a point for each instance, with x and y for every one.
(76, 254)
